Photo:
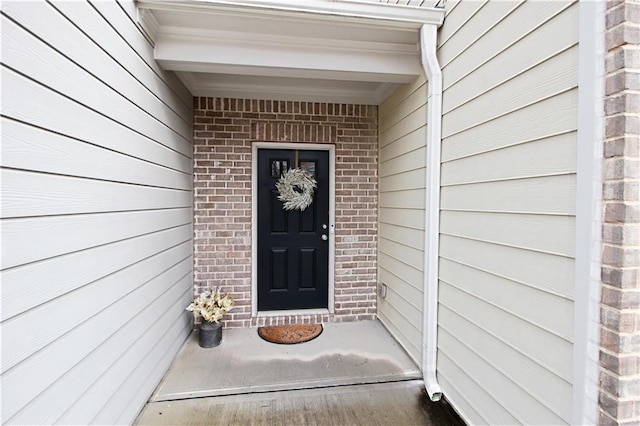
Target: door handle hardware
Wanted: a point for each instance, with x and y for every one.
(324, 237)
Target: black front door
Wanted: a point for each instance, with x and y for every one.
(293, 246)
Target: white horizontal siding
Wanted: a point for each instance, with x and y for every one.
(547, 234)
(401, 234)
(416, 3)
(401, 217)
(50, 278)
(524, 89)
(477, 47)
(409, 255)
(25, 194)
(67, 73)
(31, 148)
(75, 121)
(516, 56)
(411, 142)
(512, 399)
(508, 210)
(458, 383)
(532, 268)
(528, 303)
(96, 215)
(542, 195)
(408, 275)
(470, 33)
(456, 18)
(38, 238)
(548, 117)
(411, 218)
(533, 343)
(543, 157)
(168, 83)
(66, 352)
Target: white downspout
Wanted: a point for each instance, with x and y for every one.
(428, 40)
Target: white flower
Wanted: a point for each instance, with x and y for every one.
(211, 305)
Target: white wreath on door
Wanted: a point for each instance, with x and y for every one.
(295, 189)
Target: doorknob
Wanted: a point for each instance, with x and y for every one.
(324, 237)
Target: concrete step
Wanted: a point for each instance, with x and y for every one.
(344, 354)
(397, 403)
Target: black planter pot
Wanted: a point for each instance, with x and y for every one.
(210, 334)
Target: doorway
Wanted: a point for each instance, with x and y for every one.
(293, 249)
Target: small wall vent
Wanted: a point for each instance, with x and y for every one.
(382, 290)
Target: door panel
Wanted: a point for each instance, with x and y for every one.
(293, 258)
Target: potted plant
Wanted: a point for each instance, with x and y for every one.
(211, 306)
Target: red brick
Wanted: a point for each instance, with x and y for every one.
(620, 312)
(223, 217)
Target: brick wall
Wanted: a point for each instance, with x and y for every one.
(620, 331)
(223, 132)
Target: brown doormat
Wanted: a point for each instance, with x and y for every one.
(290, 334)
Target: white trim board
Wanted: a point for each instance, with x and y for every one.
(588, 211)
(254, 223)
(348, 51)
(364, 13)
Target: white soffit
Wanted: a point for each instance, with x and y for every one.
(315, 50)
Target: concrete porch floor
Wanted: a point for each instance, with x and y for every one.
(353, 373)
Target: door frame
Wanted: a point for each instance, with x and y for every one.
(254, 225)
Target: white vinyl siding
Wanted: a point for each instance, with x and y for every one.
(508, 210)
(507, 219)
(401, 217)
(96, 214)
(417, 3)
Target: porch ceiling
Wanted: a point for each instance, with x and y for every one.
(314, 50)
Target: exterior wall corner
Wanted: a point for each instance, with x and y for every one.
(620, 305)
